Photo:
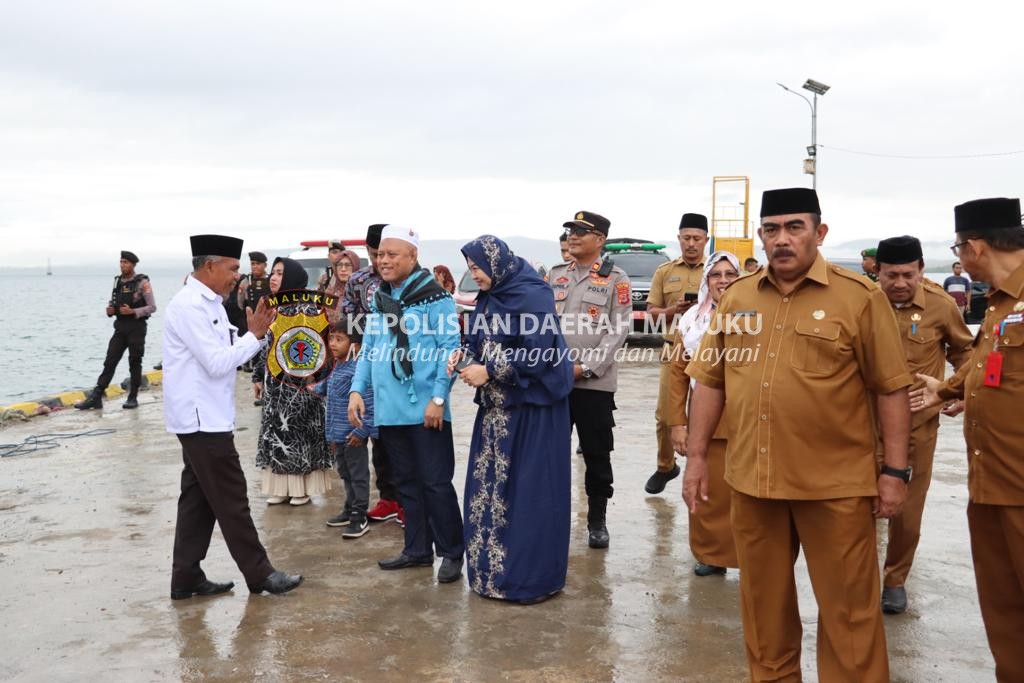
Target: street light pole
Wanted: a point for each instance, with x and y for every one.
(817, 88)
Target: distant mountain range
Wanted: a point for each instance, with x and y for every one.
(433, 252)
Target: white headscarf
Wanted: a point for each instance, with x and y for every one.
(696, 321)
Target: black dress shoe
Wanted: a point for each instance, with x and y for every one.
(598, 538)
(402, 561)
(894, 600)
(701, 569)
(204, 588)
(277, 583)
(450, 571)
(130, 403)
(656, 484)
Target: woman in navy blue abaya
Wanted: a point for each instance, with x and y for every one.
(517, 497)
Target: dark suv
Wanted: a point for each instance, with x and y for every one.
(639, 258)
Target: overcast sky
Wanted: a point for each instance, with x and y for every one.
(134, 124)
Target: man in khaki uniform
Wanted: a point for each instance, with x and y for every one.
(933, 332)
(594, 301)
(990, 244)
(795, 355)
(668, 300)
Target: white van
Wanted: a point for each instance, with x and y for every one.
(313, 257)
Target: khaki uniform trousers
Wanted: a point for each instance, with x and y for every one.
(905, 528)
(711, 529)
(997, 546)
(838, 538)
(666, 454)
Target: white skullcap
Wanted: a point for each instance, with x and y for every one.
(397, 232)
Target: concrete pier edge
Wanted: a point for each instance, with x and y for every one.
(66, 399)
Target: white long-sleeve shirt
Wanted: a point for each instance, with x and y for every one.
(201, 353)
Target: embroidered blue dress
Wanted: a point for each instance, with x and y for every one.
(516, 502)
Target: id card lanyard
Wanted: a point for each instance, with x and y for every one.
(994, 362)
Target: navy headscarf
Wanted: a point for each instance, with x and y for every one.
(517, 289)
(515, 286)
(295, 276)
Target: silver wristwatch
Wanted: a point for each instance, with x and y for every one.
(438, 401)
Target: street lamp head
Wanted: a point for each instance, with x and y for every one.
(816, 87)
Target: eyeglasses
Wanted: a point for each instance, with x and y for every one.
(580, 231)
(956, 247)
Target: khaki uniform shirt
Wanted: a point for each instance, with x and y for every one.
(798, 386)
(679, 395)
(671, 281)
(583, 297)
(993, 426)
(933, 332)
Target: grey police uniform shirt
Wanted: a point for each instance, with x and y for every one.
(606, 302)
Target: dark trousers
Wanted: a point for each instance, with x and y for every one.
(213, 490)
(129, 333)
(353, 465)
(591, 412)
(423, 462)
(383, 471)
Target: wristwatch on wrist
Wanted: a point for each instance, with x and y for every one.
(438, 401)
(586, 372)
(899, 474)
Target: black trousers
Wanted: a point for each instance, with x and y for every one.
(591, 412)
(383, 472)
(213, 490)
(129, 333)
(423, 462)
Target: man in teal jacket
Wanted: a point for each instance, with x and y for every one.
(409, 335)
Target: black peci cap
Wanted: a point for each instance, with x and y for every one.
(590, 221)
(373, 234)
(257, 256)
(899, 250)
(216, 245)
(982, 215)
(789, 200)
(129, 256)
(696, 221)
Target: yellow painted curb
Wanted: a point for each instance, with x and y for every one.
(155, 377)
(26, 407)
(70, 398)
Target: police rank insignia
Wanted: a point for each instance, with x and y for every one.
(300, 353)
(818, 315)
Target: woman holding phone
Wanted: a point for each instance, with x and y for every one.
(517, 497)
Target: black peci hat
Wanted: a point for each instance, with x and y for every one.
(982, 215)
(129, 256)
(789, 200)
(697, 221)
(373, 234)
(257, 256)
(899, 250)
(590, 221)
(216, 245)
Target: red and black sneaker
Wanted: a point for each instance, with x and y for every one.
(384, 510)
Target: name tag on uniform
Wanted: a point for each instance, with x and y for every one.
(675, 279)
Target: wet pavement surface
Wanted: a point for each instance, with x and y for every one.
(86, 532)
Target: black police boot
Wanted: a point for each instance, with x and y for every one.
(93, 400)
(597, 536)
(132, 401)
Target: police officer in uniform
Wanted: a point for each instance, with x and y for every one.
(797, 356)
(932, 332)
(131, 303)
(668, 300)
(255, 284)
(990, 245)
(594, 300)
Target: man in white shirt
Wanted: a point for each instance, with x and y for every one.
(201, 352)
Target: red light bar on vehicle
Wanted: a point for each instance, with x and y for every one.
(323, 243)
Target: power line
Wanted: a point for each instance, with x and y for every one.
(923, 156)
